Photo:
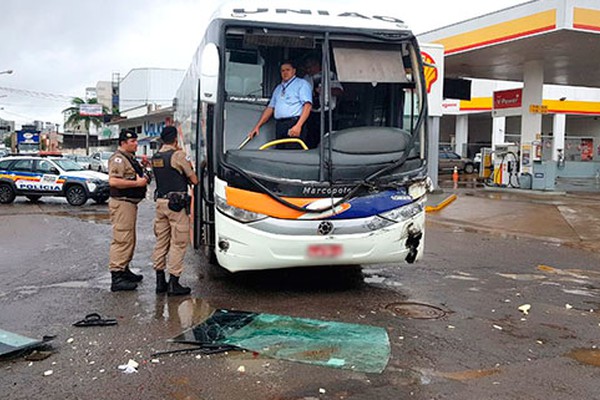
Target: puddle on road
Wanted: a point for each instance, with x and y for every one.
(184, 313)
(586, 356)
(468, 375)
(97, 217)
(428, 376)
(415, 310)
(522, 277)
(574, 273)
(462, 278)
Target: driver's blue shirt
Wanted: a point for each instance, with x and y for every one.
(289, 98)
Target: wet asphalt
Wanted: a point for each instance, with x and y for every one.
(453, 319)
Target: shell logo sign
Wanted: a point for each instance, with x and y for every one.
(430, 72)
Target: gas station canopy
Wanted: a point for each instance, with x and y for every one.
(564, 35)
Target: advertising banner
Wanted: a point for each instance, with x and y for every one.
(90, 110)
(508, 102)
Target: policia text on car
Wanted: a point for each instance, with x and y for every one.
(127, 188)
(173, 172)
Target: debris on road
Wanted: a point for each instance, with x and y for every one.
(94, 319)
(525, 308)
(130, 367)
(38, 355)
(48, 373)
(13, 342)
(334, 344)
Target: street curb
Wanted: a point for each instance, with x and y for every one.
(442, 205)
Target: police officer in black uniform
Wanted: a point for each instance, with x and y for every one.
(173, 172)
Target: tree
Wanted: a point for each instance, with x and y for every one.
(75, 118)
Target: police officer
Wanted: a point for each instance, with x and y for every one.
(172, 171)
(127, 188)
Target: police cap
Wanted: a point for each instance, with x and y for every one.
(168, 134)
(125, 135)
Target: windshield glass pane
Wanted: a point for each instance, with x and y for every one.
(68, 165)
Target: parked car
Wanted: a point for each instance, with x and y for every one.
(100, 161)
(36, 176)
(449, 159)
(84, 161)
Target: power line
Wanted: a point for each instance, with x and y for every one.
(33, 93)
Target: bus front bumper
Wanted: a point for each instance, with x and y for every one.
(242, 247)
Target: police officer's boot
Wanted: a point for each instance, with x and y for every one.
(130, 276)
(120, 282)
(161, 282)
(175, 289)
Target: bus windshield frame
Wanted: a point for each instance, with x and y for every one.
(394, 105)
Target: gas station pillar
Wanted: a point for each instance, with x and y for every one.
(531, 122)
(462, 134)
(498, 131)
(558, 135)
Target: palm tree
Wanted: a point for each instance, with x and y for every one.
(75, 118)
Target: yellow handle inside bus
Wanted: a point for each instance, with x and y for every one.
(280, 141)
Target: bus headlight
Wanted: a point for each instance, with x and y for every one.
(420, 189)
(238, 214)
(404, 213)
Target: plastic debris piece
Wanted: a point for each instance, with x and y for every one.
(241, 368)
(568, 306)
(497, 327)
(155, 361)
(322, 391)
(525, 308)
(130, 367)
(451, 327)
(48, 373)
(539, 342)
(70, 340)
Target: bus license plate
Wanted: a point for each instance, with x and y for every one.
(325, 250)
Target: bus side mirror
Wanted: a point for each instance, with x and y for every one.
(209, 74)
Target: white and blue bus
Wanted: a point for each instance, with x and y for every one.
(358, 198)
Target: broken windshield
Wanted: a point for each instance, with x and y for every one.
(363, 116)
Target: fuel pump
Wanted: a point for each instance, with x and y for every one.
(506, 165)
(486, 167)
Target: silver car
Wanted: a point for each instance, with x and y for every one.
(99, 161)
(84, 161)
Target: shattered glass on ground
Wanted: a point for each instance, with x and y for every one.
(333, 344)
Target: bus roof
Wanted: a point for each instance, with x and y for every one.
(309, 13)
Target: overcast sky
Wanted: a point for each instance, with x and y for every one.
(57, 48)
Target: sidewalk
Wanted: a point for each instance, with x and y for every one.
(565, 217)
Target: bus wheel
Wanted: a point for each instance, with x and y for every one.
(215, 270)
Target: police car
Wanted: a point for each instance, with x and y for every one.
(36, 176)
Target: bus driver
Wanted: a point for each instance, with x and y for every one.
(291, 104)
